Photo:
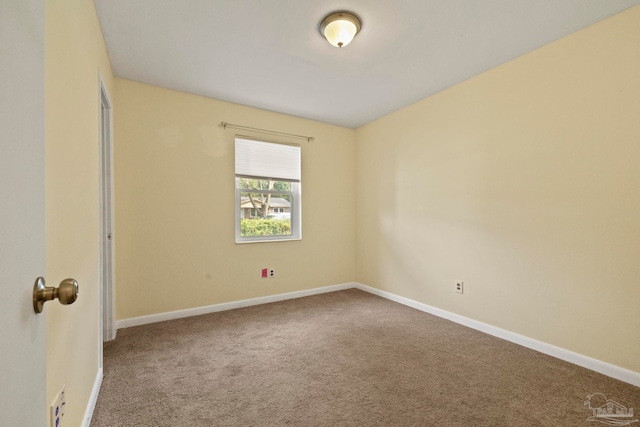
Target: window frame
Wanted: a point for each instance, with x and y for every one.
(296, 219)
(296, 200)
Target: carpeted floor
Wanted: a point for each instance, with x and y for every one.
(345, 358)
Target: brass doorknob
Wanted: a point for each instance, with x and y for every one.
(66, 293)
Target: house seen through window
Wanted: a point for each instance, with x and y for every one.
(267, 191)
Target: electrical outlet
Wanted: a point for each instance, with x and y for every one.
(57, 408)
(459, 286)
(268, 273)
(272, 273)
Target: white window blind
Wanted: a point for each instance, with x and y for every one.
(257, 159)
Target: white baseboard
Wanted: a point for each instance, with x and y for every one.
(605, 368)
(93, 399)
(179, 314)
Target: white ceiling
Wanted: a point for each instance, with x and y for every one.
(269, 53)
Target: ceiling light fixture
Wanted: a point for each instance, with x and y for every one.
(339, 28)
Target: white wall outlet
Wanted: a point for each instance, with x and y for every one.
(57, 408)
(268, 273)
(459, 286)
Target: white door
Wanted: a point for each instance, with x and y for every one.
(22, 213)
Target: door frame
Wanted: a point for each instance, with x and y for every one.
(107, 283)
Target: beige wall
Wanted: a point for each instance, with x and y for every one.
(523, 182)
(74, 56)
(174, 201)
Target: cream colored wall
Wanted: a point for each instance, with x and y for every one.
(174, 201)
(75, 54)
(523, 182)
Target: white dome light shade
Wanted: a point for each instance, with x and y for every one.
(340, 28)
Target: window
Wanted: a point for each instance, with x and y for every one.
(267, 191)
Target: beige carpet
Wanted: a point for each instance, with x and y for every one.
(346, 358)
